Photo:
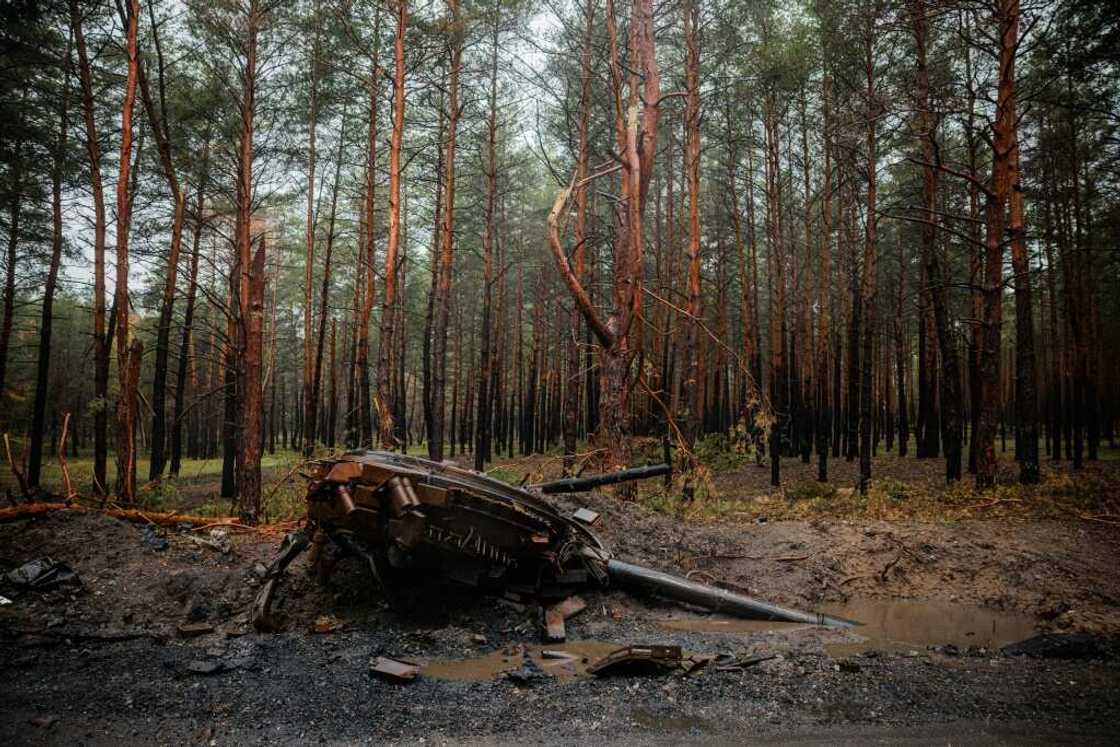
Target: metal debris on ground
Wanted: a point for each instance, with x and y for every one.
(404, 517)
(218, 540)
(586, 516)
(394, 670)
(555, 615)
(210, 666)
(4, 600)
(194, 630)
(734, 663)
(327, 624)
(151, 538)
(528, 674)
(43, 573)
(639, 659)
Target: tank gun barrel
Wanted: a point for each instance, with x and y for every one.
(581, 484)
(713, 597)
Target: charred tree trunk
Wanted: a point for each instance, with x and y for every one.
(42, 370)
(188, 321)
(100, 333)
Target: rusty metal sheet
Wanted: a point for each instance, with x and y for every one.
(650, 658)
(394, 670)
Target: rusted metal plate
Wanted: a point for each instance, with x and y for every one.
(554, 630)
(650, 658)
(394, 670)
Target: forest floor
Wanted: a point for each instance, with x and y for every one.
(943, 579)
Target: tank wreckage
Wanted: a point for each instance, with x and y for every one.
(404, 515)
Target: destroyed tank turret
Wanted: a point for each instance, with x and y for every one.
(401, 514)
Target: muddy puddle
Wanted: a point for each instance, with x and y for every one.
(561, 660)
(888, 625)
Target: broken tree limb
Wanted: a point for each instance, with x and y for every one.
(67, 486)
(16, 471)
(29, 510)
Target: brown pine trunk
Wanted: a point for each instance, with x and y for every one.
(484, 419)
(1006, 20)
(442, 300)
(126, 364)
(692, 374)
(384, 353)
(571, 406)
(250, 296)
(870, 259)
(310, 400)
(324, 296)
(776, 280)
(364, 417)
(1026, 392)
(824, 280)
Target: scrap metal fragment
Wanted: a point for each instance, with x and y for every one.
(555, 615)
(43, 573)
(394, 670)
(194, 630)
(586, 516)
(647, 658)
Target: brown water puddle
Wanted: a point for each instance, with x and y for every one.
(492, 665)
(899, 625)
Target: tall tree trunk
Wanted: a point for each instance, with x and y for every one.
(692, 401)
(1006, 20)
(870, 259)
(485, 418)
(97, 189)
(126, 398)
(951, 400)
(365, 405)
(324, 291)
(824, 406)
(384, 352)
(571, 406)
(1026, 393)
(776, 279)
(42, 370)
(250, 296)
(185, 354)
(160, 126)
(310, 398)
(442, 301)
(15, 210)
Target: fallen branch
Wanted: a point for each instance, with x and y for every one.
(777, 559)
(989, 504)
(29, 510)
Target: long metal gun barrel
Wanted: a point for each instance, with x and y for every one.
(712, 597)
(580, 484)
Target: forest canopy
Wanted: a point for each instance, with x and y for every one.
(787, 230)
